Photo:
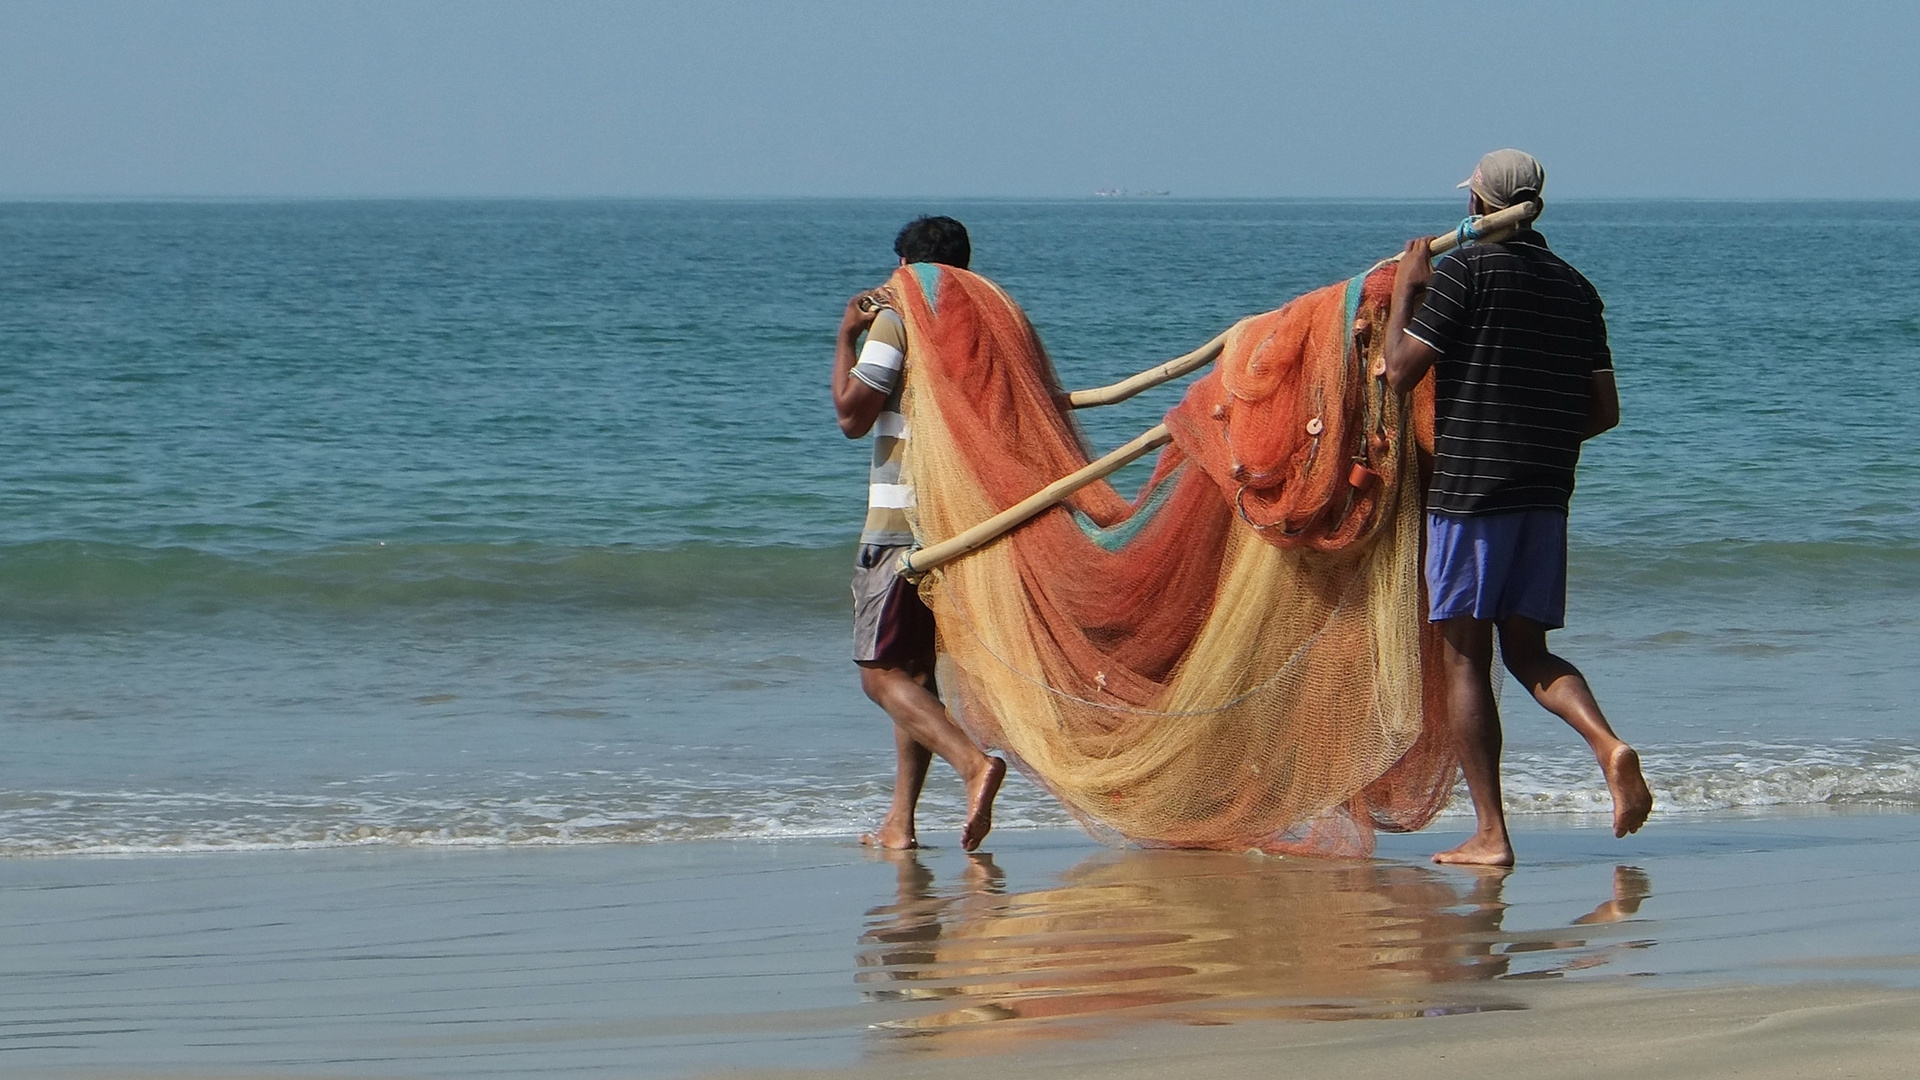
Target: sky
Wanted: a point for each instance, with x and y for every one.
(963, 98)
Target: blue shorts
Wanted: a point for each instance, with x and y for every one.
(1496, 565)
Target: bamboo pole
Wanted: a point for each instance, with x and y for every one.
(926, 558)
(1495, 226)
(1152, 377)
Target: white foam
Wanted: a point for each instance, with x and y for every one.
(614, 808)
(1723, 777)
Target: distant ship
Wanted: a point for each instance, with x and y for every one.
(1123, 193)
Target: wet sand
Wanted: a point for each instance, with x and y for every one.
(1702, 947)
(1767, 1032)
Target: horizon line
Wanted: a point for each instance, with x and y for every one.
(1090, 197)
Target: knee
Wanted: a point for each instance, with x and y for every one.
(1523, 644)
(1468, 663)
(1537, 668)
(875, 682)
(1462, 665)
(1469, 644)
(1520, 662)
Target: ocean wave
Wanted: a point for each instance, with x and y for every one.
(495, 811)
(1851, 564)
(1710, 777)
(634, 809)
(67, 580)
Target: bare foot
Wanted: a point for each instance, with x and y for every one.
(1632, 802)
(1630, 886)
(890, 837)
(1479, 851)
(980, 793)
(982, 874)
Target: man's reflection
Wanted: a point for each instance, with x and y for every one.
(903, 937)
(1207, 937)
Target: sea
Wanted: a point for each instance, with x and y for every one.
(490, 523)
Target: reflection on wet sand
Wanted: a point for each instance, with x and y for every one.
(1205, 937)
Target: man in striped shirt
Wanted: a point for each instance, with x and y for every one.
(1523, 376)
(893, 640)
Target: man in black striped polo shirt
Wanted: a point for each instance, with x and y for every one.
(1522, 377)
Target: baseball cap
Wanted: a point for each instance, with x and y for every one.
(1506, 177)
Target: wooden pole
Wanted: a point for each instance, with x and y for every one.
(926, 558)
(1489, 227)
(1152, 377)
(1495, 226)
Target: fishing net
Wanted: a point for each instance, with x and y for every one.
(1237, 658)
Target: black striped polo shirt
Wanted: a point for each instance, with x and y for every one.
(1520, 334)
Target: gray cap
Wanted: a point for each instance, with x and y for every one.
(1506, 177)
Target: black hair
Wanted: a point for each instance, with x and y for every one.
(934, 240)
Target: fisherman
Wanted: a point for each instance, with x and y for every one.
(1523, 377)
(893, 638)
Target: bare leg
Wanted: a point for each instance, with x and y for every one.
(1475, 720)
(918, 716)
(910, 762)
(1560, 688)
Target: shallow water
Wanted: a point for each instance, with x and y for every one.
(479, 523)
(676, 960)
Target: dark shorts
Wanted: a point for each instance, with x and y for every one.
(892, 626)
(1495, 565)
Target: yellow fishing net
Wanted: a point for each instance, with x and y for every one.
(1235, 659)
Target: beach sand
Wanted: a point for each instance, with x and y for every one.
(1705, 947)
(1757, 1032)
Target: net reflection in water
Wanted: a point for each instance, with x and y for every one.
(1208, 937)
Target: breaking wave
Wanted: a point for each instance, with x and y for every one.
(825, 800)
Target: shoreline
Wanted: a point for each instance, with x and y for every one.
(1522, 821)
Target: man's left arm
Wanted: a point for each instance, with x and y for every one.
(1407, 358)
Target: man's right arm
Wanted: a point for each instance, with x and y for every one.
(856, 404)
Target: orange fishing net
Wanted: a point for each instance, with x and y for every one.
(1239, 657)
